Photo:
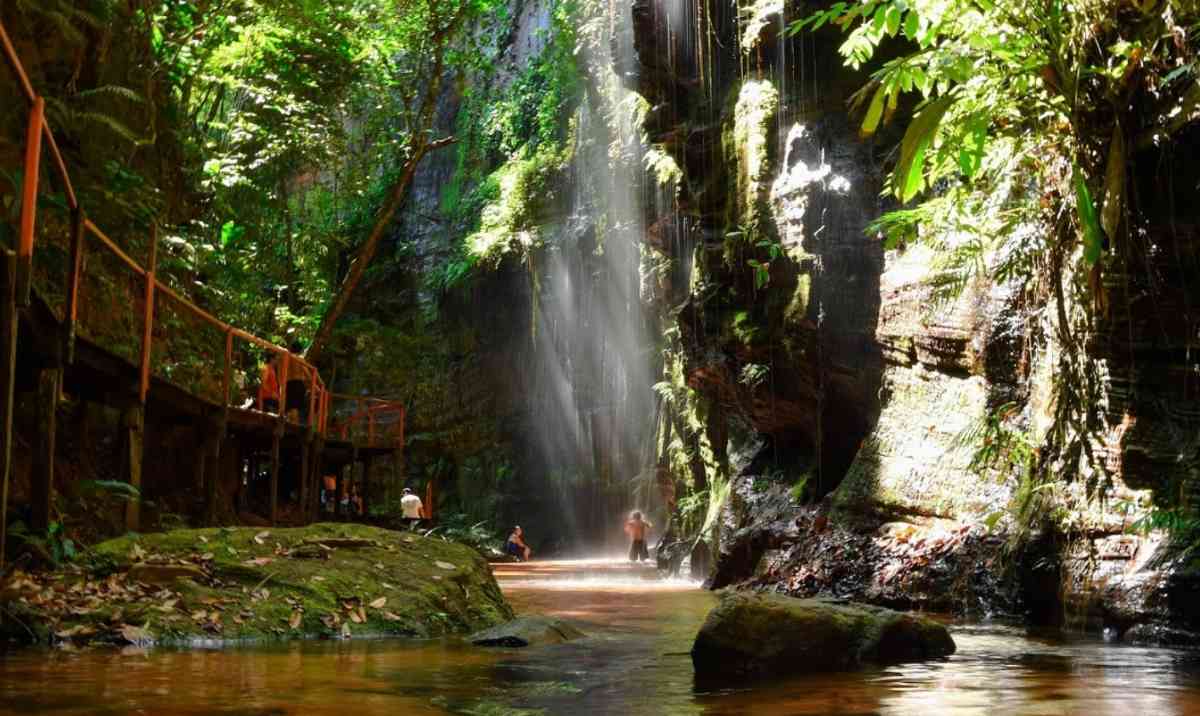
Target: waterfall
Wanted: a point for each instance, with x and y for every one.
(595, 352)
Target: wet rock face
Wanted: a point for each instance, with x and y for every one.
(755, 522)
(769, 634)
(923, 563)
(1144, 589)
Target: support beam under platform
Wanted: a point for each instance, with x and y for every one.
(42, 487)
(133, 427)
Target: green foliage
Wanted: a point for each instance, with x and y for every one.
(753, 375)
(515, 140)
(1015, 160)
(746, 329)
(1179, 521)
(108, 488)
(1036, 82)
(800, 487)
(997, 442)
(479, 535)
(762, 267)
(53, 545)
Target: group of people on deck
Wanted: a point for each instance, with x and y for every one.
(636, 528)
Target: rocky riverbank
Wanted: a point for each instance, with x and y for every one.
(1129, 586)
(245, 584)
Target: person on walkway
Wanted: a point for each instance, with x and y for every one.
(351, 501)
(329, 494)
(411, 508)
(516, 544)
(268, 388)
(636, 528)
(297, 389)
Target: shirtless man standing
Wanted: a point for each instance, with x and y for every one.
(636, 528)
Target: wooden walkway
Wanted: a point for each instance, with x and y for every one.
(46, 349)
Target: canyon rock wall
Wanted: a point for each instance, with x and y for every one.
(862, 392)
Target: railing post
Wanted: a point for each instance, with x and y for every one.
(228, 378)
(429, 500)
(284, 365)
(312, 400)
(42, 476)
(277, 434)
(147, 336)
(33, 157)
(77, 244)
(8, 371)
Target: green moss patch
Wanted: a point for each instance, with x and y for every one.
(330, 580)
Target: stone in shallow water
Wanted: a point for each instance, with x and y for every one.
(770, 634)
(527, 631)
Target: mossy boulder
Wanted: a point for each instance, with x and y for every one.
(749, 634)
(230, 584)
(527, 631)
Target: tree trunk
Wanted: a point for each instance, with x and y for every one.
(366, 252)
(399, 191)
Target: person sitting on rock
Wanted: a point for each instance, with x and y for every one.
(636, 528)
(516, 544)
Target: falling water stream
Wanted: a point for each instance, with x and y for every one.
(633, 661)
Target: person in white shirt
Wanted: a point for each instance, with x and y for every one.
(411, 507)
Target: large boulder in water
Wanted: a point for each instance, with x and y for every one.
(766, 634)
(527, 631)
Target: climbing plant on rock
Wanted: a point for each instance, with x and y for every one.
(1025, 120)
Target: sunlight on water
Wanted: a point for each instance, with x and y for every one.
(598, 574)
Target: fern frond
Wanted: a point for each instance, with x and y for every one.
(58, 112)
(63, 22)
(112, 123)
(115, 90)
(91, 20)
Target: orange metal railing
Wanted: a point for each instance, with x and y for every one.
(374, 420)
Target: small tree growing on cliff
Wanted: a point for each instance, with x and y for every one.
(425, 48)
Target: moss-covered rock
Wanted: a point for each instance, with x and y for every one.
(246, 584)
(763, 634)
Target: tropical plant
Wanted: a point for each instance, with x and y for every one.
(1026, 120)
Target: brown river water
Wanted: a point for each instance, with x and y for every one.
(635, 661)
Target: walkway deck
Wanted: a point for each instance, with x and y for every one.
(46, 349)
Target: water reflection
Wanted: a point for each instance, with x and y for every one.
(635, 661)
